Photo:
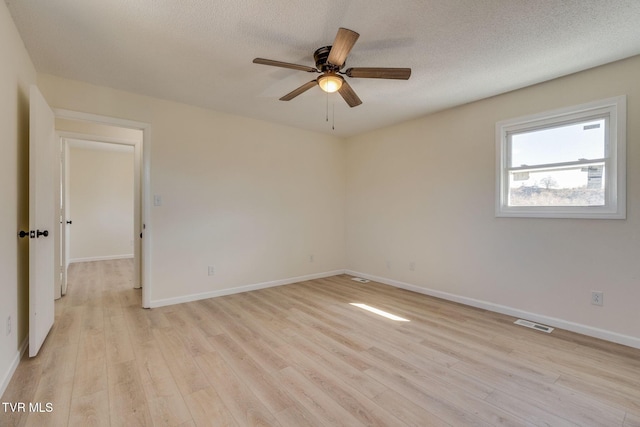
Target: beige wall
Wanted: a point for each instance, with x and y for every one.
(423, 192)
(16, 74)
(100, 203)
(251, 198)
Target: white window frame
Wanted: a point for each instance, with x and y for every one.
(615, 160)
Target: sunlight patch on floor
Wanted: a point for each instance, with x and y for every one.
(379, 312)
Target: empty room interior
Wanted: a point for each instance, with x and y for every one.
(320, 213)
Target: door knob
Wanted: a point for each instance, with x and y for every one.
(69, 222)
(44, 233)
(22, 234)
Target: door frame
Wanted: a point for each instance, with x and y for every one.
(142, 220)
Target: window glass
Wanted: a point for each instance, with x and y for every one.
(567, 143)
(574, 186)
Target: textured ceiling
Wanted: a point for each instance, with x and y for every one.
(199, 51)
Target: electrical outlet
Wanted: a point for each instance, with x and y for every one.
(412, 266)
(211, 270)
(8, 325)
(388, 265)
(597, 298)
(311, 258)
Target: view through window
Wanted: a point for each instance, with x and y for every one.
(560, 166)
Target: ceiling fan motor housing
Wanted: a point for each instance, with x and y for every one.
(321, 57)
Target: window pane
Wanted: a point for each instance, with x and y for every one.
(575, 186)
(568, 143)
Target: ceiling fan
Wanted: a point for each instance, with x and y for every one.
(329, 61)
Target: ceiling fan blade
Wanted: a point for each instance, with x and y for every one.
(379, 73)
(284, 65)
(349, 95)
(342, 45)
(305, 87)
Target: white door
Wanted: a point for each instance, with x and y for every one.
(42, 217)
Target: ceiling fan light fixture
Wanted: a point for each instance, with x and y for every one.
(330, 82)
(329, 61)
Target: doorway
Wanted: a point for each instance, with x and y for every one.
(97, 221)
(78, 133)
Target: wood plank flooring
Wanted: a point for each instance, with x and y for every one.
(301, 355)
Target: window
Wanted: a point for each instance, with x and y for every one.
(567, 163)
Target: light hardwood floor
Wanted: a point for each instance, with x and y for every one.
(301, 355)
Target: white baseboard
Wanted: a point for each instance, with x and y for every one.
(14, 365)
(240, 289)
(100, 258)
(510, 311)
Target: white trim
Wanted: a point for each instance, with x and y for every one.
(100, 258)
(510, 311)
(61, 113)
(14, 365)
(240, 289)
(79, 136)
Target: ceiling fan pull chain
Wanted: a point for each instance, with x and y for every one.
(333, 119)
(327, 107)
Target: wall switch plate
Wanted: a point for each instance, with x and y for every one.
(597, 298)
(157, 200)
(212, 270)
(412, 266)
(311, 258)
(8, 325)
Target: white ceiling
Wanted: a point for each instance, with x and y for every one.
(199, 51)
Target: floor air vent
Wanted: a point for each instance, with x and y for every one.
(360, 279)
(533, 325)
